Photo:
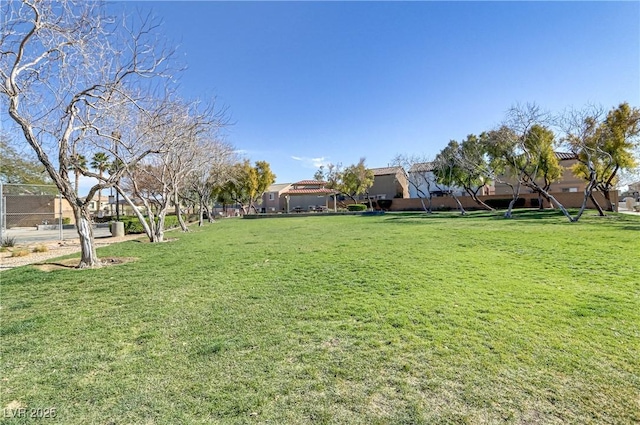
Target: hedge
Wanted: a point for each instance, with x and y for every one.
(133, 226)
(357, 207)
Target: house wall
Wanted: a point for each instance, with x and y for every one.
(389, 185)
(275, 204)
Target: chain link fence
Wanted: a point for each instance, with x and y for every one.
(30, 206)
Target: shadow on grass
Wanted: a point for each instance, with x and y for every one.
(551, 216)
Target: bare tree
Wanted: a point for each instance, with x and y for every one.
(419, 175)
(214, 171)
(64, 67)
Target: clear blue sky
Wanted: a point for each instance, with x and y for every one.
(334, 81)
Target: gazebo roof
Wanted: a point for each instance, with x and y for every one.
(310, 183)
(320, 191)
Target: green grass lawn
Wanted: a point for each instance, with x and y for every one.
(401, 318)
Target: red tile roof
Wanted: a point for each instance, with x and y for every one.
(310, 182)
(310, 192)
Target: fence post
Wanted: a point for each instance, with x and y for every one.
(61, 233)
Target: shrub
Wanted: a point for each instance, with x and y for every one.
(66, 220)
(19, 253)
(384, 204)
(8, 242)
(357, 207)
(40, 248)
(133, 226)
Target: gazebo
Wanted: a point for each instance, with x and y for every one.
(304, 196)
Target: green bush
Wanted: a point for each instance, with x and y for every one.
(133, 226)
(357, 207)
(66, 220)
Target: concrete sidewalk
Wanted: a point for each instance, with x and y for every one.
(29, 235)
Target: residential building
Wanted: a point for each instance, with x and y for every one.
(389, 183)
(423, 182)
(273, 199)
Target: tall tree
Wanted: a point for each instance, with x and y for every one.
(444, 170)
(212, 173)
(468, 168)
(17, 168)
(101, 163)
(356, 180)
(176, 128)
(65, 68)
(249, 183)
(610, 149)
(77, 164)
(543, 167)
(509, 157)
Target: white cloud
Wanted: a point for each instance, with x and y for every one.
(314, 163)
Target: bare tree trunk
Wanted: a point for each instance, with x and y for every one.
(516, 195)
(88, 256)
(588, 190)
(474, 196)
(143, 221)
(424, 207)
(607, 196)
(598, 207)
(176, 202)
(460, 207)
(201, 214)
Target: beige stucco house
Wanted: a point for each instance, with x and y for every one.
(389, 183)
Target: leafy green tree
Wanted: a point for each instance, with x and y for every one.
(608, 150)
(510, 159)
(249, 183)
(356, 180)
(543, 167)
(467, 167)
(18, 169)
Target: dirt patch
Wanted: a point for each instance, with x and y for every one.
(54, 249)
(72, 263)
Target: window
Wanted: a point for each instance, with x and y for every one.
(271, 197)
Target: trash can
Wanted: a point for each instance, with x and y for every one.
(117, 229)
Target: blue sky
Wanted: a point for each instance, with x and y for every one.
(313, 82)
